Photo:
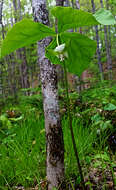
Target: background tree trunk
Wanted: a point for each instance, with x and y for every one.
(54, 136)
(1, 85)
(21, 53)
(98, 41)
(1, 9)
(109, 61)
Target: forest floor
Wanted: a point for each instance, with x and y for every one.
(22, 141)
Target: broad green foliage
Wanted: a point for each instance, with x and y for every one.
(24, 33)
(104, 17)
(71, 18)
(78, 50)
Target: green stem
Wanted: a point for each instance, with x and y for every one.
(57, 41)
(71, 128)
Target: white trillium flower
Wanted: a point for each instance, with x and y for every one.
(61, 53)
(59, 49)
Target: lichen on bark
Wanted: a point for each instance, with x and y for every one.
(48, 75)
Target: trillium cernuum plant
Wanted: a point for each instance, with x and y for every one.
(75, 48)
(72, 50)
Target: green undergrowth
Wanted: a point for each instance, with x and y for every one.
(22, 139)
(22, 153)
(22, 150)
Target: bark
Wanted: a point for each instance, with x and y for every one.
(77, 4)
(1, 9)
(72, 2)
(1, 84)
(13, 74)
(15, 10)
(15, 59)
(21, 53)
(1, 80)
(59, 2)
(109, 61)
(9, 63)
(24, 69)
(11, 16)
(109, 34)
(98, 41)
(19, 9)
(54, 136)
(66, 3)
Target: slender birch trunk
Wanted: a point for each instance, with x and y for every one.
(54, 136)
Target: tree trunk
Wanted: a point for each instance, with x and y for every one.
(77, 4)
(98, 41)
(109, 61)
(59, 3)
(109, 34)
(21, 53)
(19, 10)
(54, 136)
(24, 69)
(15, 10)
(66, 3)
(1, 8)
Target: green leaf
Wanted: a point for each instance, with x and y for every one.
(104, 17)
(24, 33)
(16, 119)
(80, 50)
(110, 107)
(96, 117)
(72, 18)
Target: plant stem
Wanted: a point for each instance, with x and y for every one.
(57, 40)
(71, 128)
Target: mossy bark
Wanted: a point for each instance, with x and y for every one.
(54, 136)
